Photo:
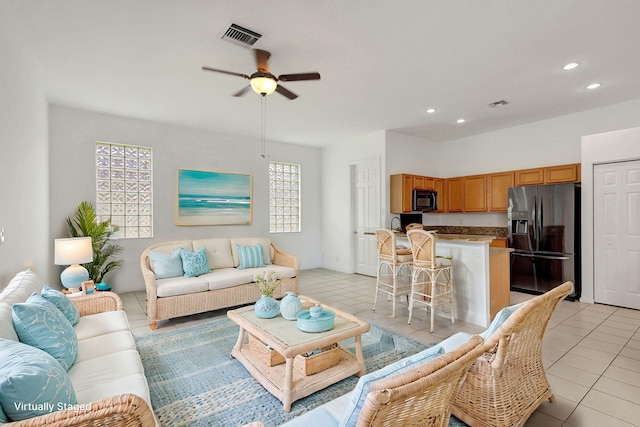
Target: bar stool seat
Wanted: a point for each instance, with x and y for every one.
(432, 278)
(391, 264)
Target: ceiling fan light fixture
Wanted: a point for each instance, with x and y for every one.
(263, 84)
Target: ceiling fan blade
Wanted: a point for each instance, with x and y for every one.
(225, 72)
(242, 91)
(299, 76)
(262, 58)
(286, 92)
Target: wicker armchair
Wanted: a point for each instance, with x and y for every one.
(421, 396)
(507, 383)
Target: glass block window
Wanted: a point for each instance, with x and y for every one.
(284, 197)
(124, 188)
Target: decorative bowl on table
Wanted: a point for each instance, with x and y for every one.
(316, 319)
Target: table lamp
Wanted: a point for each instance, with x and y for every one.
(73, 252)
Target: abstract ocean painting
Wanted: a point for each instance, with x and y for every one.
(213, 198)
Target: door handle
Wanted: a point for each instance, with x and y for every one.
(540, 256)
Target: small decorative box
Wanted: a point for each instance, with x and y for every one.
(317, 360)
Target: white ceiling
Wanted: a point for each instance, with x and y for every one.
(382, 63)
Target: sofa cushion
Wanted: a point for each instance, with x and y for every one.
(31, 376)
(104, 368)
(250, 256)
(21, 287)
(182, 285)
(98, 324)
(218, 252)
(100, 345)
(194, 263)
(63, 304)
(166, 265)
(7, 331)
(40, 324)
(361, 390)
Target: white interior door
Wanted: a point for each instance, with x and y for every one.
(366, 206)
(617, 234)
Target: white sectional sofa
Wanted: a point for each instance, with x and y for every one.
(106, 376)
(227, 281)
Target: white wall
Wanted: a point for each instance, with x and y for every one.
(24, 203)
(73, 134)
(337, 232)
(600, 148)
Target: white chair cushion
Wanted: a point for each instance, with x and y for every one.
(101, 324)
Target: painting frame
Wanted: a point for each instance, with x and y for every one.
(213, 198)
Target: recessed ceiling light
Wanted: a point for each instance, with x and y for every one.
(460, 121)
(431, 110)
(571, 66)
(593, 86)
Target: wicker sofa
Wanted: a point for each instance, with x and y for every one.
(225, 285)
(105, 396)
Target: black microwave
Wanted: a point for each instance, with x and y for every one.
(424, 201)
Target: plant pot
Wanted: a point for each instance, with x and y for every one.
(266, 307)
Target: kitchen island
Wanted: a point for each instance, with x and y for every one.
(479, 289)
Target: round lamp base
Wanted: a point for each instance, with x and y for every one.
(73, 276)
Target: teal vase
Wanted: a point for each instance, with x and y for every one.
(266, 307)
(290, 306)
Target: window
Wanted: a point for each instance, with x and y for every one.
(124, 190)
(284, 197)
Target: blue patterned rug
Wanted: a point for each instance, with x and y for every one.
(194, 382)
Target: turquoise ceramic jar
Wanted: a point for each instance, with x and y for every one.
(290, 306)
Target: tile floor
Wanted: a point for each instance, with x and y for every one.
(591, 352)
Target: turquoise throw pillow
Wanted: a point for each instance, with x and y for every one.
(32, 383)
(250, 256)
(3, 416)
(500, 318)
(63, 304)
(40, 324)
(361, 390)
(194, 263)
(167, 265)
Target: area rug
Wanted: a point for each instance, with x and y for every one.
(193, 381)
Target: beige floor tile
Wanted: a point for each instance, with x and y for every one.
(558, 410)
(569, 390)
(620, 409)
(585, 416)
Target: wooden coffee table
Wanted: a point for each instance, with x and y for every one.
(283, 336)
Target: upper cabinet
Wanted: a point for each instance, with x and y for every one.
(548, 175)
(401, 188)
(455, 195)
(475, 193)
(498, 190)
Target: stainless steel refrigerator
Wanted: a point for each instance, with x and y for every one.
(544, 232)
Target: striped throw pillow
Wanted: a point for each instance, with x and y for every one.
(250, 256)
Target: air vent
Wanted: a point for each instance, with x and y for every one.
(240, 35)
(500, 103)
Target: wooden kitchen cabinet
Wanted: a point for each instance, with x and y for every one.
(498, 185)
(499, 280)
(498, 242)
(529, 177)
(441, 188)
(562, 173)
(400, 193)
(475, 193)
(423, 182)
(455, 195)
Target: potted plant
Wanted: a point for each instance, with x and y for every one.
(85, 223)
(266, 307)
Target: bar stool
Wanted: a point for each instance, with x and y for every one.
(390, 265)
(432, 278)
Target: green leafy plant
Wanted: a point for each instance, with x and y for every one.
(85, 223)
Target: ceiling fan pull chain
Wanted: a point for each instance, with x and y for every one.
(263, 130)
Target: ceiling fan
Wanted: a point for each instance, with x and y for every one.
(265, 83)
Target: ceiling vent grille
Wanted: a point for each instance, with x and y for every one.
(240, 35)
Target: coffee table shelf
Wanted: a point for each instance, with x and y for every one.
(282, 381)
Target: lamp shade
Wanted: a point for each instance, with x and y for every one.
(75, 250)
(263, 85)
